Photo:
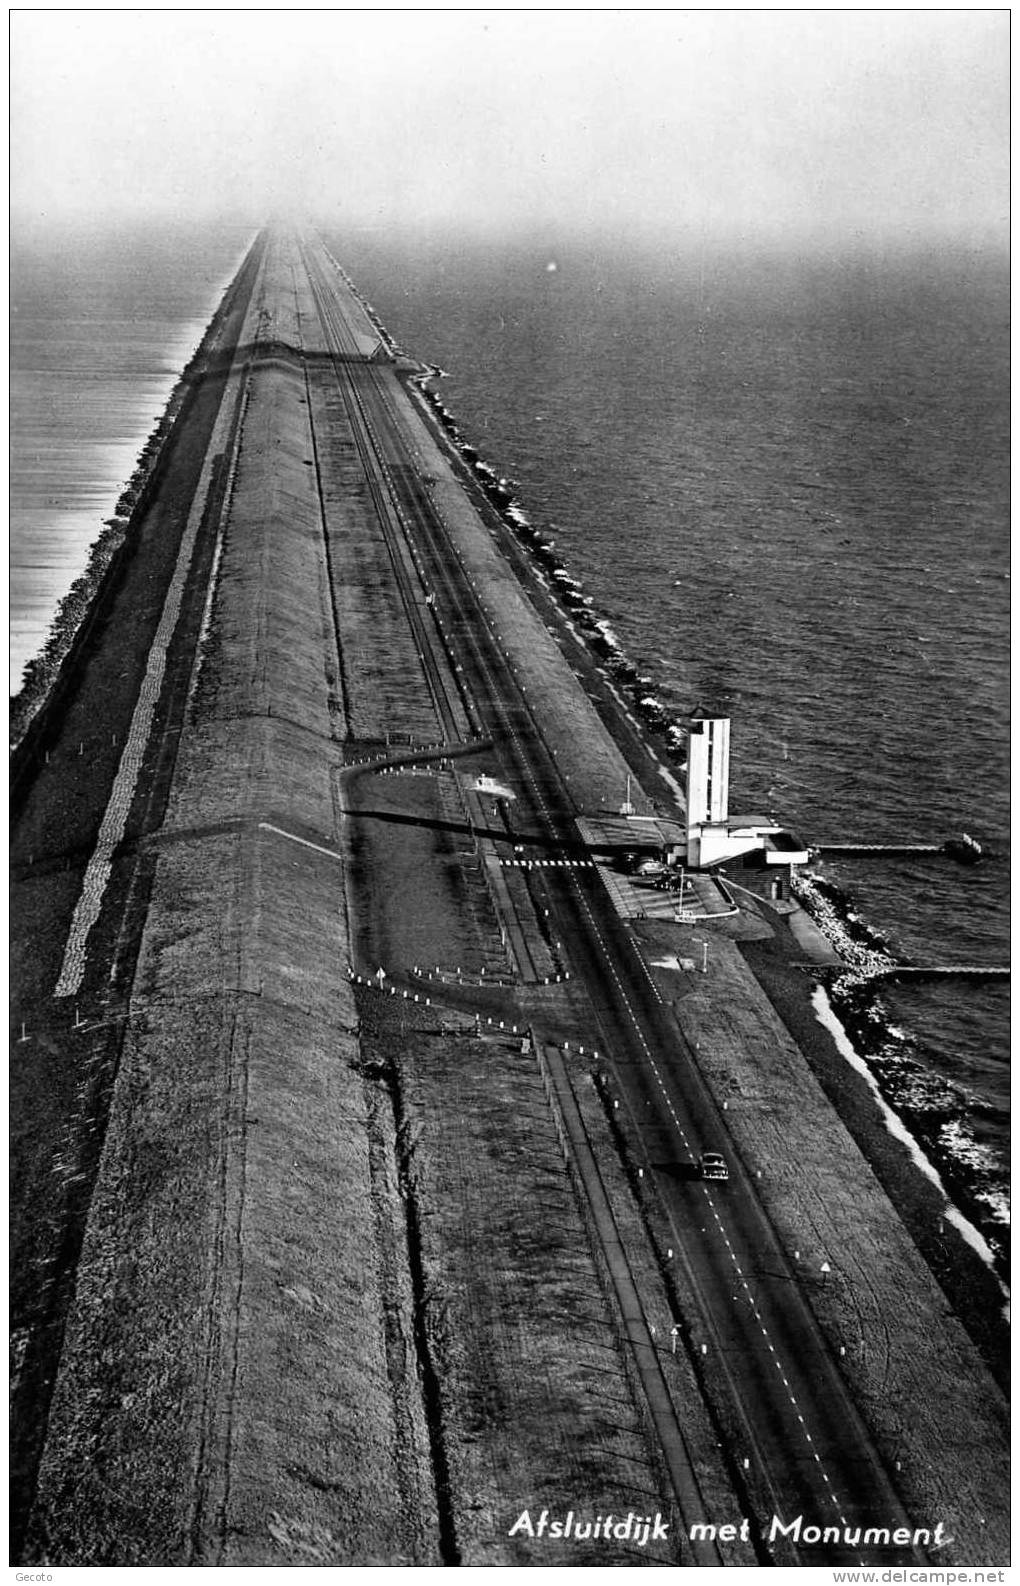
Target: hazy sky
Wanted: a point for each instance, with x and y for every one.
(812, 124)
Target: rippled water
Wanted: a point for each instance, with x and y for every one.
(785, 485)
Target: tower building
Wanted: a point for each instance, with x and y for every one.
(713, 834)
(708, 769)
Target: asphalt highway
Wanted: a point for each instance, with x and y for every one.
(797, 1443)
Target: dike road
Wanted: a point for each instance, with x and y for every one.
(355, 1119)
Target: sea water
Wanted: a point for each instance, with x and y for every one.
(102, 323)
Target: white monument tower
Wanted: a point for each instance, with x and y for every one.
(708, 781)
(713, 834)
(708, 769)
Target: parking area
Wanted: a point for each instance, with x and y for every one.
(704, 897)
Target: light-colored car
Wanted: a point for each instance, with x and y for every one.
(712, 1165)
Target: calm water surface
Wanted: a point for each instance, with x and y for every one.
(101, 326)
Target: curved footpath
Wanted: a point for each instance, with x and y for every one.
(345, 1292)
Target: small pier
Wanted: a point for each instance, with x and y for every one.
(885, 850)
(964, 849)
(942, 971)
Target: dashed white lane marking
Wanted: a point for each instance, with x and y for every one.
(683, 1136)
(547, 864)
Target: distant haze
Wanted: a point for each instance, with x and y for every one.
(812, 128)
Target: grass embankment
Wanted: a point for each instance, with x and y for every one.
(61, 780)
(229, 1384)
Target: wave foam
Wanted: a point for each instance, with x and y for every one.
(826, 1016)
